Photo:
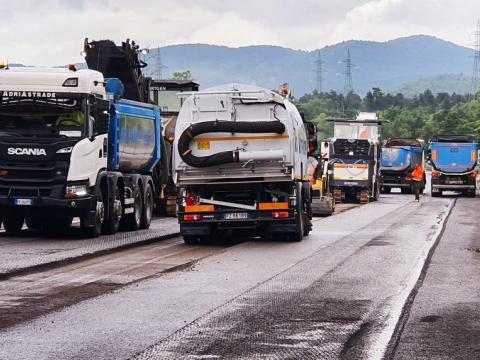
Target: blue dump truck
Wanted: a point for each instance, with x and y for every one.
(399, 159)
(72, 146)
(454, 162)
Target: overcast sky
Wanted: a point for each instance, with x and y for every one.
(51, 32)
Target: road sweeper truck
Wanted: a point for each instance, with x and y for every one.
(241, 165)
(71, 146)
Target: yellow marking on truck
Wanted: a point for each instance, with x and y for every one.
(273, 206)
(199, 208)
(236, 138)
(203, 144)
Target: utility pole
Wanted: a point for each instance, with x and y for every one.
(319, 71)
(348, 86)
(476, 62)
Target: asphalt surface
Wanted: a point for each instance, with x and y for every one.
(444, 320)
(31, 249)
(337, 294)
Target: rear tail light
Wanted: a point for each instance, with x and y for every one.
(190, 199)
(192, 217)
(435, 174)
(473, 175)
(280, 214)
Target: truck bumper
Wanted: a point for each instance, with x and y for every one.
(393, 185)
(453, 187)
(47, 207)
(212, 223)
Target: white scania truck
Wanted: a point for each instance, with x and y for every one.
(70, 146)
(241, 165)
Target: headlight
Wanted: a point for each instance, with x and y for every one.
(76, 191)
(66, 150)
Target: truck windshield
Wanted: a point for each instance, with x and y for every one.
(356, 131)
(51, 117)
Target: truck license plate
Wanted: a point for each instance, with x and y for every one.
(23, 202)
(235, 216)
(454, 182)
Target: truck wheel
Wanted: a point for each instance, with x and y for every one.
(134, 219)
(112, 224)
(96, 230)
(147, 208)
(13, 224)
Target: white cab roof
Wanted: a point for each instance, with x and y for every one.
(51, 80)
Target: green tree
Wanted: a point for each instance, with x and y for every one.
(182, 75)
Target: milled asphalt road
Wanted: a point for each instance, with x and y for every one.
(444, 320)
(336, 294)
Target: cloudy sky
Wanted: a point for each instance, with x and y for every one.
(51, 32)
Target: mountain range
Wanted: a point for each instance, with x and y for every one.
(409, 63)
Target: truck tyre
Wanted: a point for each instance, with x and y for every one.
(13, 224)
(147, 208)
(96, 230)
(133, 220)
(112, 224)
(435, 194)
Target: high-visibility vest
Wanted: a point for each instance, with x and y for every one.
(76, 118)
(417, 174)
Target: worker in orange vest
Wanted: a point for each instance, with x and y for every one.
(417, 177)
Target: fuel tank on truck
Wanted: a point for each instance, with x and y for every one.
(236, 132)
(134, 133)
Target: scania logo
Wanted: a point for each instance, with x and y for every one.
(27, 151)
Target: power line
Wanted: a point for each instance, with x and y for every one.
(319, 71)
(157, 73)
(476, 62)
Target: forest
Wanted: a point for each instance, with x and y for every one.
(420, 116)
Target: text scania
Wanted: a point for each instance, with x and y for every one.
(27, 151)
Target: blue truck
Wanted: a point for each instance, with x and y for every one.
(399, 159)
(454, 163)
(72, 146)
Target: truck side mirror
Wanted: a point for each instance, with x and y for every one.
(102, 123)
